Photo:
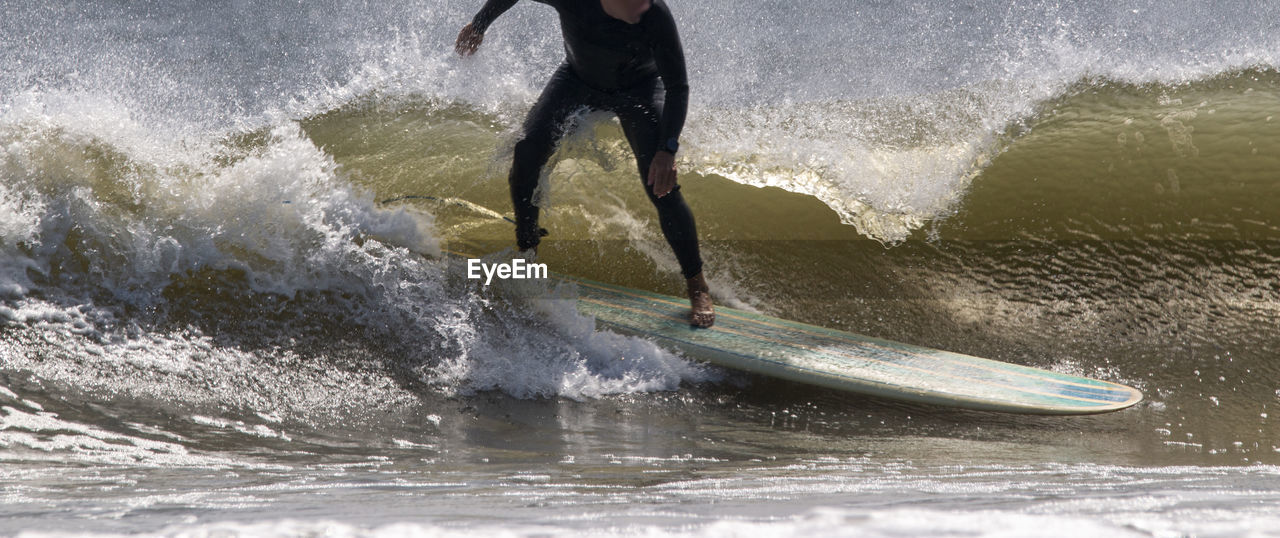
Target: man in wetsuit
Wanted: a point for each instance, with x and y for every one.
(623, 56)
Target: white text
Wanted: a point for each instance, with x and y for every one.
(517, 269)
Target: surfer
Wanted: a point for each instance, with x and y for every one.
(622, 56)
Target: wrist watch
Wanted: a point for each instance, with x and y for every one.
(672, 145)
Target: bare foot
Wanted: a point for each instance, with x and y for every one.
(701, 312)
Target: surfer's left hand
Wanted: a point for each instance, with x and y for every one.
(469, 40)
(662, 173)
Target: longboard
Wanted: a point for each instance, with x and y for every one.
(845, 361)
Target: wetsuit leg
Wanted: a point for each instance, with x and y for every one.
(639, 117)
(543, 128)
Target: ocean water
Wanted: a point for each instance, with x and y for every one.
(225, 308)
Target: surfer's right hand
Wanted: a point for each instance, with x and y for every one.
(468, 40)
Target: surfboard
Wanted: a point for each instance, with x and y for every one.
(845, 361)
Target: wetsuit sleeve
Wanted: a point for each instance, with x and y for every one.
(489, 12)
(669, 57)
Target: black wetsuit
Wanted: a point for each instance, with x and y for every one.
(636, 71)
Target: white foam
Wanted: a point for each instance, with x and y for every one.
(48, 437)
(820, 521)
(256, 430)
(558, 352)
(285, 215)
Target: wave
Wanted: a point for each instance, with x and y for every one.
(1156, 153)
(1124, 161)
(270, 243)
(1036, 199)
(210, 266)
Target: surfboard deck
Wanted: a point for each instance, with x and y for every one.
(845, 361)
